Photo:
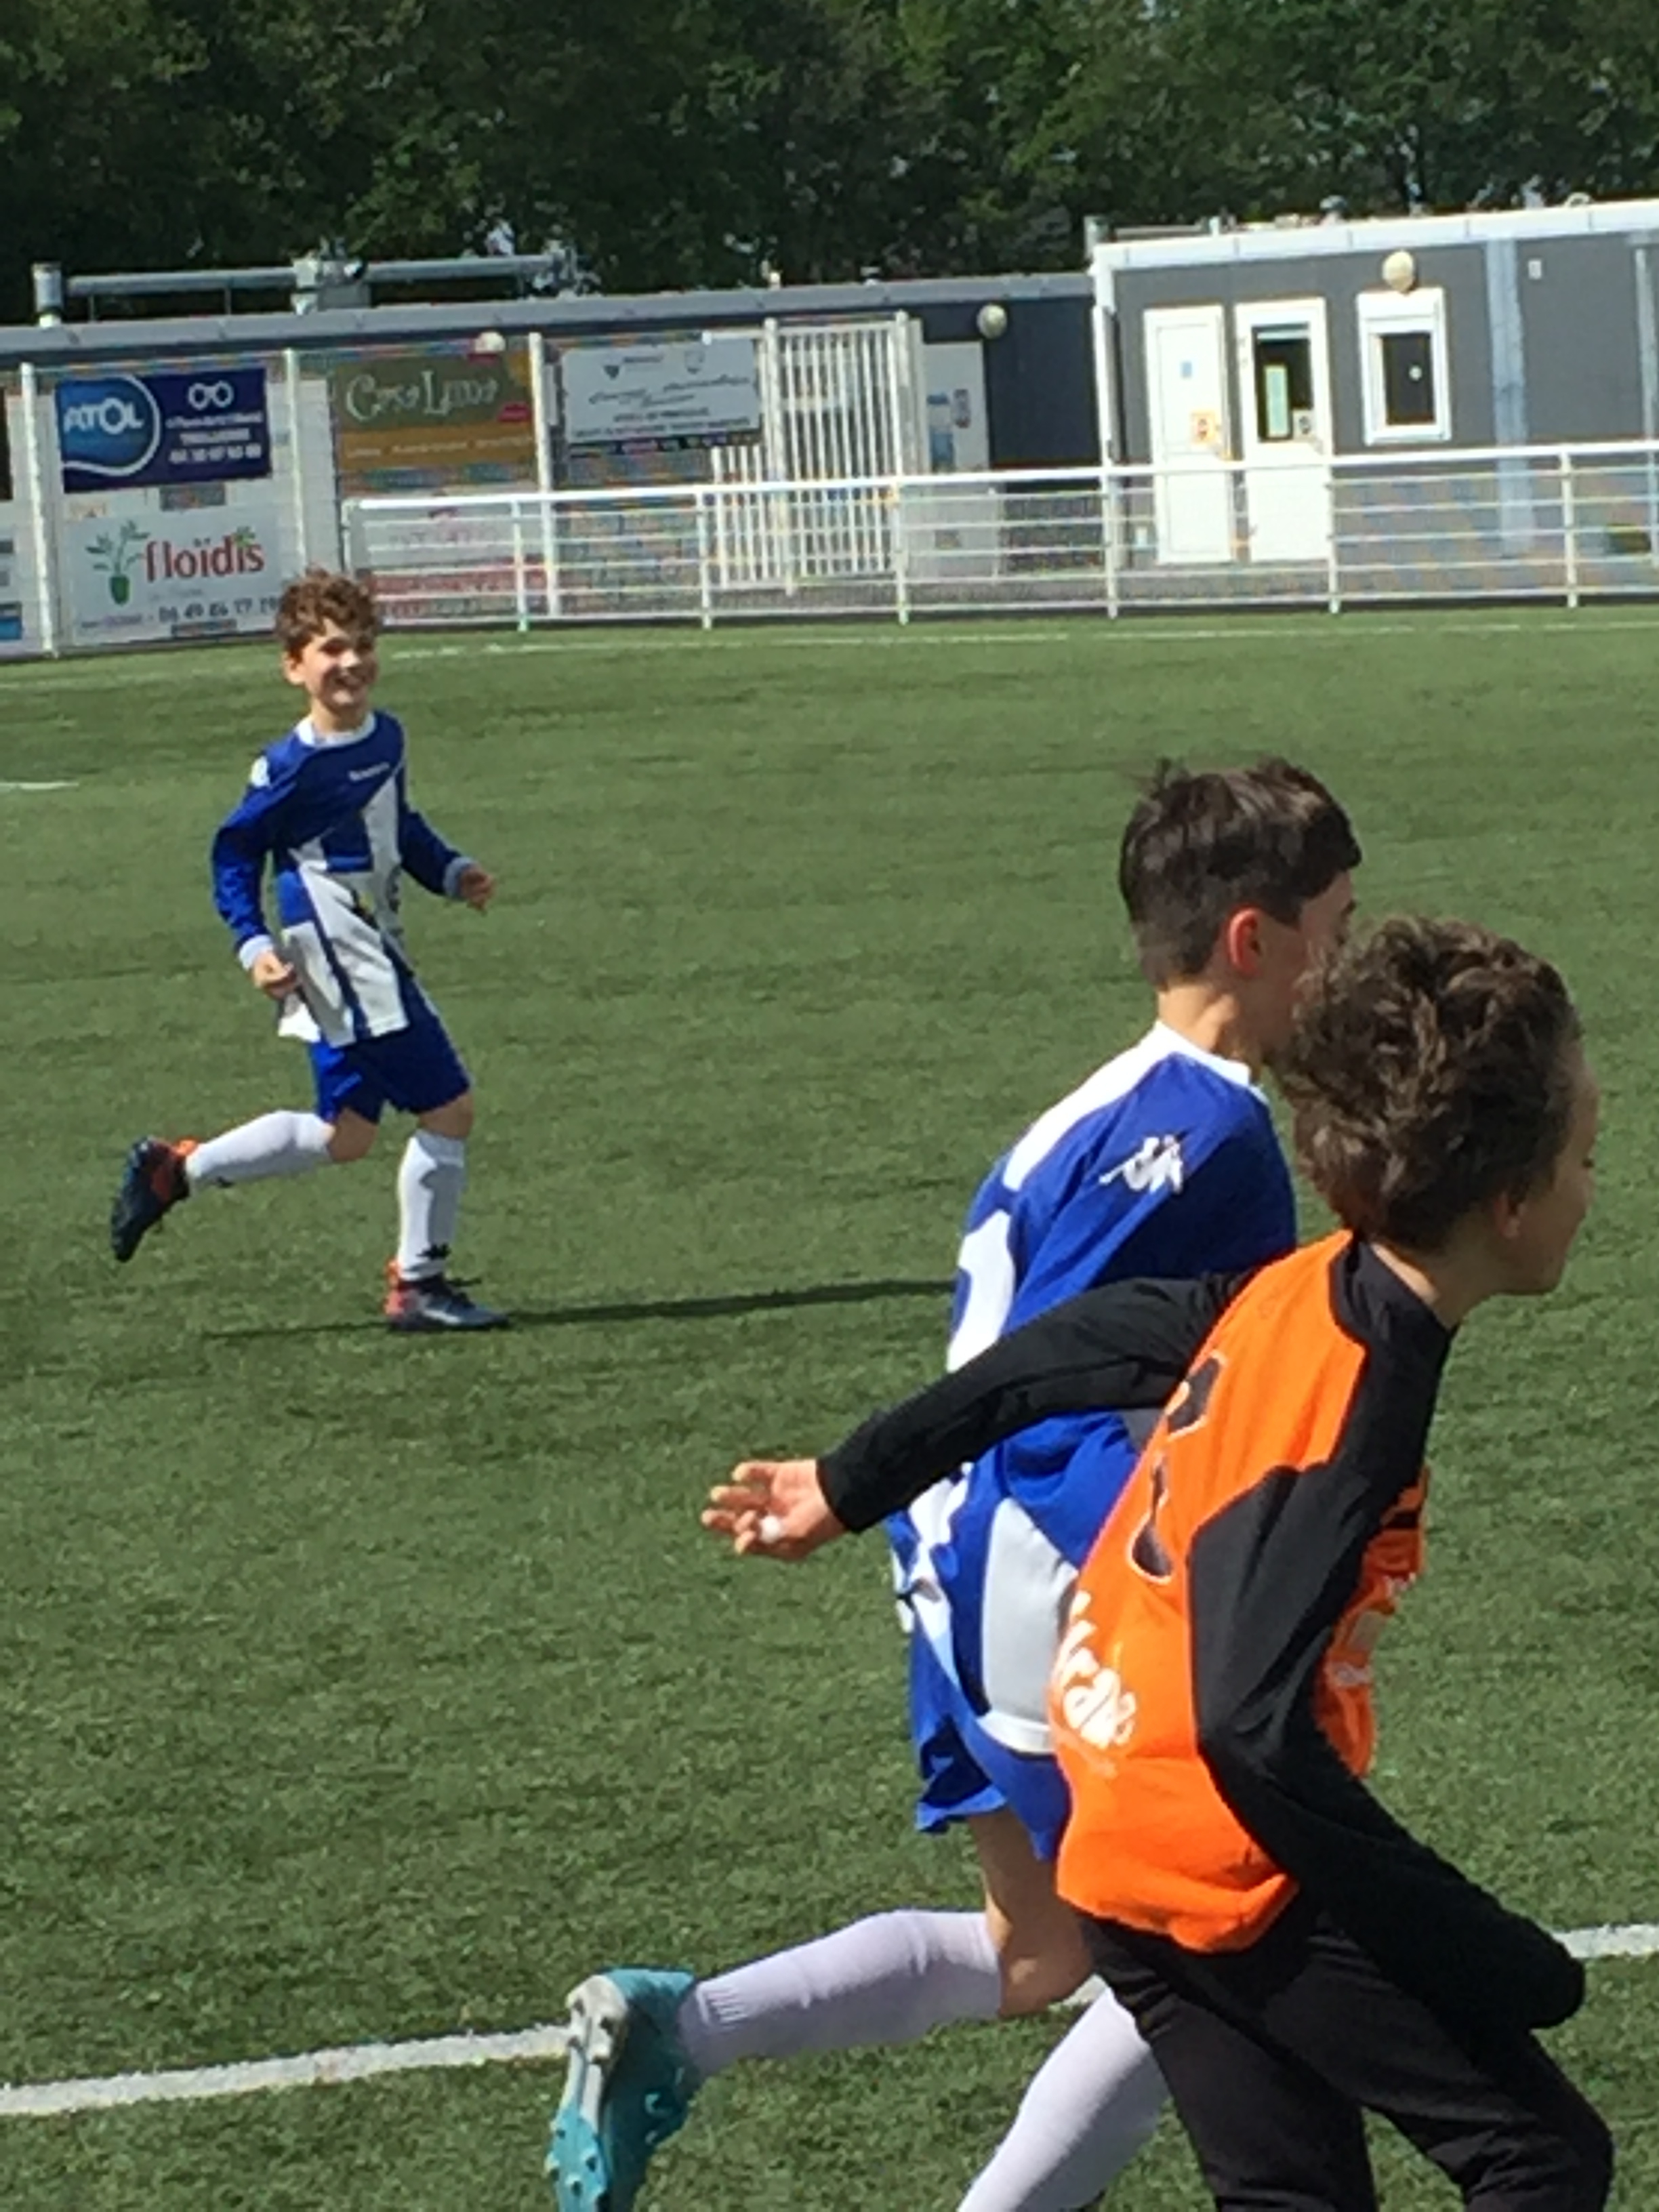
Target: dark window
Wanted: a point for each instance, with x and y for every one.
(1284, 383)
(1409, 400)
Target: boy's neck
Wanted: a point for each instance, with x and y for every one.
(1211, 1018)
(328, 725)
(1451, 1283)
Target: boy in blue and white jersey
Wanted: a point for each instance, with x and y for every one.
(1164, 1162)
(327, 807)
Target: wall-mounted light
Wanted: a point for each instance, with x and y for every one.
(1399, 270)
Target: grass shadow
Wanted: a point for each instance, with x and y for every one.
(723, 1308)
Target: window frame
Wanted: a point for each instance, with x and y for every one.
(1420, 312)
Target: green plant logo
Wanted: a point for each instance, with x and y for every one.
(116, 556)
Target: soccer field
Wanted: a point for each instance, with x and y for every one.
(360, 1688)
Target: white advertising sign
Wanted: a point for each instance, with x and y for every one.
(700, 392)
(203, 573)
(16, 614)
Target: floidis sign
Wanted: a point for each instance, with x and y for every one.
(201, 573)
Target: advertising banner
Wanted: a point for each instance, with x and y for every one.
(13, 629)
(697, 393)
(207, 574)
(432, 421)
(117, 431)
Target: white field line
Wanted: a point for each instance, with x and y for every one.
(361, 2062)
(69, 784)
(310, 2069)
(944, 631)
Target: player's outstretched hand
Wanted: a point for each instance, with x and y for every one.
(476, 885)
(773, 1507)
(273, 974)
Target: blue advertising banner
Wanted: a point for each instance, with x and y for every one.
(115, 431)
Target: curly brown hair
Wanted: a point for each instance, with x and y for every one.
(1201, 844)
(1432, 1068)
(319, 598)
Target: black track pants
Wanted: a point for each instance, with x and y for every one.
(1272, 2054)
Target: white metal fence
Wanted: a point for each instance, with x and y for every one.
(1567, 524)
(1519, 523)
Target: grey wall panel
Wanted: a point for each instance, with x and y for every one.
(1040, 387)
(1579, 315)
(1338, 279)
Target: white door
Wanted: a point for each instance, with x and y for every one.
(1285, 397)
(1186, 410)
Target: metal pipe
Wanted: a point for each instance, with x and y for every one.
(178, 280)
(48, 292)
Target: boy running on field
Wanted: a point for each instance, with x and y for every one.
(1162, 1162)
(1293, 1956)
(327, 806)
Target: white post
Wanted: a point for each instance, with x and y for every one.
(520, 574)
(1569, 525)
(544, 432)
(1103, 306)
(39, 523)
(1109, 536)
(902, 398)
(1333, 554)
(901, 563)
(296, 459)
(779, 467)
(705, 574)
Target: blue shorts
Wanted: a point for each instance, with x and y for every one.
(413, 1070)
(965, 1772)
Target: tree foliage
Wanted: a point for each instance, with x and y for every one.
(689, 142)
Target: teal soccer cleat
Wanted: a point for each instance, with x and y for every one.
(628, 2088)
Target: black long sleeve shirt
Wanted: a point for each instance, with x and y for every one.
(1212, 1703)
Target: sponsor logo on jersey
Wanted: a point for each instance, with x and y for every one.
(1155, 1164)
(1090, 1696)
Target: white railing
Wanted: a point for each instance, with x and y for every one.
(1563, 524)
(1514, 523)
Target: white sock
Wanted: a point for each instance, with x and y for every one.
(274, 1145)
(887, 1980)
(1090, 2108)
(431, 1177)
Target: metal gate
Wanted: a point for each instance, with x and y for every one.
(838, 403)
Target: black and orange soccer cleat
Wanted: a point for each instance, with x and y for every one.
(428, 1306)
(152, 1183)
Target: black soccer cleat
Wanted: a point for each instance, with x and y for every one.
(153, 1182)
(433, 1304)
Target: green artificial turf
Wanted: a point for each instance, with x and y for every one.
(358, 1688)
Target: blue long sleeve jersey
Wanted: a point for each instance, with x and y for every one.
(1162, 1163)
(332, 818)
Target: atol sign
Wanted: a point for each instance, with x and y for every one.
(207, 428)
(432, 421)
(206, 573)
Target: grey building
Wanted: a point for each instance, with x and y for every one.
(1245, 361)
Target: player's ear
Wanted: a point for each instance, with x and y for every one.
(1507, 1213)
(1241, 940)
(294, 668)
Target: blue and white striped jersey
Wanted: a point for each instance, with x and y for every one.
(332, 818)
(1162, 1163)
